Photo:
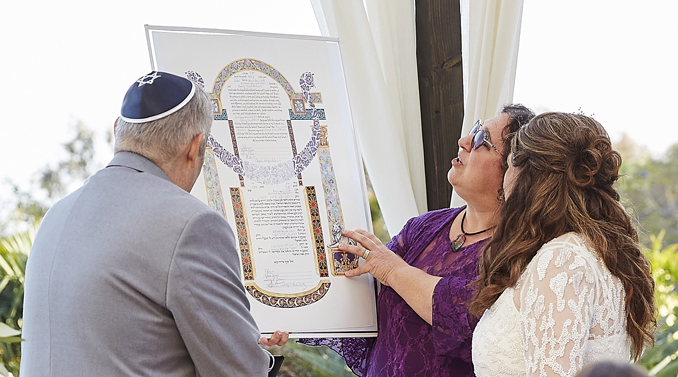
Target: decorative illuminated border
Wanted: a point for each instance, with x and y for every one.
(308, 115)
(215, 198)
(242, 233)
(248, 64)
(276, 299)
(316, 230)
(288, 301)
(340, 261)
(294, 148)
(236, 151)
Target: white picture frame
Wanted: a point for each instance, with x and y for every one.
(283, 167)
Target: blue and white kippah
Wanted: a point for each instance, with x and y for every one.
(154, 96)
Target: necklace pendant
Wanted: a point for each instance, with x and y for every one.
(458, 242)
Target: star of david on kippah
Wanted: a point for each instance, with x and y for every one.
(155, 96)
(148, 79)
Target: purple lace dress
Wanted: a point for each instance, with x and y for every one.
(407, 346)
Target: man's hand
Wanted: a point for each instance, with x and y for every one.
(277, 339)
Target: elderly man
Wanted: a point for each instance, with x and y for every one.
(130, 275)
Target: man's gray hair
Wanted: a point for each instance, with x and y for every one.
(160, 140)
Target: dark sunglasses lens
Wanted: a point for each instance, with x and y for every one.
(479, 139)
(475, 128)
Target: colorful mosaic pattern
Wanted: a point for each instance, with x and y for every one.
(308, 115)
(284, 301)
(221, 116)
(317, 231)
(242, 233)
(341, 261)
(215, 198)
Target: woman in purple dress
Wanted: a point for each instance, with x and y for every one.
(424, 325)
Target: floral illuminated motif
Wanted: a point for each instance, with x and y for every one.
(196, 79)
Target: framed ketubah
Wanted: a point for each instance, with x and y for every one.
(282, 166)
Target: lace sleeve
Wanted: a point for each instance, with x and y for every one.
(452, 324)
(557, 295)
(353, 350)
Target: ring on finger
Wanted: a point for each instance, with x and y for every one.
(366, 254)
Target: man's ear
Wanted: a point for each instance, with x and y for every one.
(194, 149)
(115, 125)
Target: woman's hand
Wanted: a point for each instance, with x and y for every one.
(380, 262)
(412, 284)
(278, 338)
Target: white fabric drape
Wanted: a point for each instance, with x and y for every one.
(379, 59)
(490, 38)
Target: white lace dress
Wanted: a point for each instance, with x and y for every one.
(566, 311)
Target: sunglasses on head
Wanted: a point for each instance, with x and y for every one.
(481, 137)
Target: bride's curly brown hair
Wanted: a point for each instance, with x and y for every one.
(567, 169)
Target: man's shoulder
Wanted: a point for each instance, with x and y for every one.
(140, 195)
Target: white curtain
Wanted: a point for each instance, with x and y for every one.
(385, 96)
(490, 38)
(379, 59)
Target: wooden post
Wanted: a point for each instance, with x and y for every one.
(441, 92)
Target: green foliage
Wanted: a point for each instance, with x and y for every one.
(52, 183)
(306, 361)
(76, 168)
(649, 191)
(29, 207)
(662, 359)
(8, 334)
(14, 251)
(378, 224)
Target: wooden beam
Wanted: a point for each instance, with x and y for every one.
(441, 92)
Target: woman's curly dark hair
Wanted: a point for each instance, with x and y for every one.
(567, 169)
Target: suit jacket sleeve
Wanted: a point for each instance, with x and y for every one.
(207, 299)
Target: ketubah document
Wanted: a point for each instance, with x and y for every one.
(282, 166)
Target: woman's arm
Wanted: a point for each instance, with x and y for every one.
(416, 288)
(556, 302)
(412, 284)
(440, 301)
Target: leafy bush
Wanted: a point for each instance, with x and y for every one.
(14, 252)
(306, 361)
(662, 359)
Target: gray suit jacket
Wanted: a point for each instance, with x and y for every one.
(132, 276)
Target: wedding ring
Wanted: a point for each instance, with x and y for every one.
(366, 254)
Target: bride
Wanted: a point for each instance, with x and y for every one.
(563, 282)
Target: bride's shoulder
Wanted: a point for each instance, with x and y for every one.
(569, 245)
(571, 240)
(566, 253)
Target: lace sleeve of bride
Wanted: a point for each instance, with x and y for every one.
(557, 293)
